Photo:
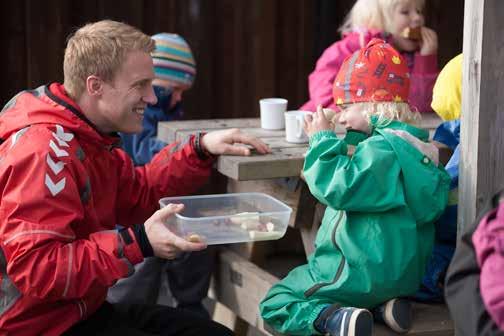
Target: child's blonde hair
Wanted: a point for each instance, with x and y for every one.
(387, 112)
(100, 49)
(374, 14)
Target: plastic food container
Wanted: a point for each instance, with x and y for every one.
(229, 218)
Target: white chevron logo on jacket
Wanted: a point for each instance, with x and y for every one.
(54, 188)
(62, 138)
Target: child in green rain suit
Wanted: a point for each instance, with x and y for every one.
(377, 233)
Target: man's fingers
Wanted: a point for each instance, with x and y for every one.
(187, 246)
(236, 150)
(260, 146)
(167, 211)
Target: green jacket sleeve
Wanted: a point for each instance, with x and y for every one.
(367, 181)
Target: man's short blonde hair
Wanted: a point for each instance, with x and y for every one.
(374, 14)
(100, 49)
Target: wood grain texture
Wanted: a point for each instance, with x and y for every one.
(245, 50)
(240, 285)
(286, 159)
(482, 139)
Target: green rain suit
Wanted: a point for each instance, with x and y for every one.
(377, 232)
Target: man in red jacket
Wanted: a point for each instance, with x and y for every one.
(65, 184)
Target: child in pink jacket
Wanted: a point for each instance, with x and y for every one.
(386, 19)
(488, 240)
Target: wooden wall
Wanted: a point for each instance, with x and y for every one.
(245, 49)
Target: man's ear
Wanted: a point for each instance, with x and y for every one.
(94, 85)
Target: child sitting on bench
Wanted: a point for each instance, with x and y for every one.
(377, 233)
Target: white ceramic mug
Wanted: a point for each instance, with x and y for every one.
(272, 113)
(294, 126)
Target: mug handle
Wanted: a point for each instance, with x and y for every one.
(299, 126)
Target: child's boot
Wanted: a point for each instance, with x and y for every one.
(345, 321)
(396, 314)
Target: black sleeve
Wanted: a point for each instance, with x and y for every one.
(462, 286)
(141, 238)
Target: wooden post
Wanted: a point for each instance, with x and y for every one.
(482, 121)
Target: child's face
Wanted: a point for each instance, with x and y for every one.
(352, 117)
(406, 14)
(177, 90)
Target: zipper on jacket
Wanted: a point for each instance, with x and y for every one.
(310, 291)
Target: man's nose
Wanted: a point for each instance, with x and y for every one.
(150, 97)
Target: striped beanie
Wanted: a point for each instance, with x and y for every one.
(173, 59)
(376, 73)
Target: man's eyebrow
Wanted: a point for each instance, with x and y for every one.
(142, 81)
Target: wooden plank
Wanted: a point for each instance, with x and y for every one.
(225, 61)
(482, 139)
(160, 16)
(45, 41)
(127, 11)
(197, 22)
(295, 38)
(177, 130)
(447, 19)
(428, 320)
(80, 13)
(284, 162)
(169, 131)
(240, 285)
(264, 47)
(14, 55)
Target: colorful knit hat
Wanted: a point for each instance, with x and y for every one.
(376, 73)
(173, 59)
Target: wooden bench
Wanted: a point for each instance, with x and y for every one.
(247, 271)
(240, 285)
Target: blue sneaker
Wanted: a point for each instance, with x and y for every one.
(396, 314)
(345, 321)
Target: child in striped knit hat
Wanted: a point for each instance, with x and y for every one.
(189, 277)
(174, 65)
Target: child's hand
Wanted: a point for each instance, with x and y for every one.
(316, 122)
(429, 42)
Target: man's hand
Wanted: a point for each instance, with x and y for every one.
(165, 243)
(225, 142)
(316, 122)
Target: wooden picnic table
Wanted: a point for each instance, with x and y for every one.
(242, 278)
(286, 159)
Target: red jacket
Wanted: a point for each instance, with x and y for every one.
(64, 186)
(423, 70)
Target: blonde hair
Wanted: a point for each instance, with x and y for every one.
(100, 49)
(386, 112)
(373, 14)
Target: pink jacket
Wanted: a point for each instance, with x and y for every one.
(488, 240)
(423, 69)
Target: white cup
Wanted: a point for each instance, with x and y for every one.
(294, 126)
(272, 113)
